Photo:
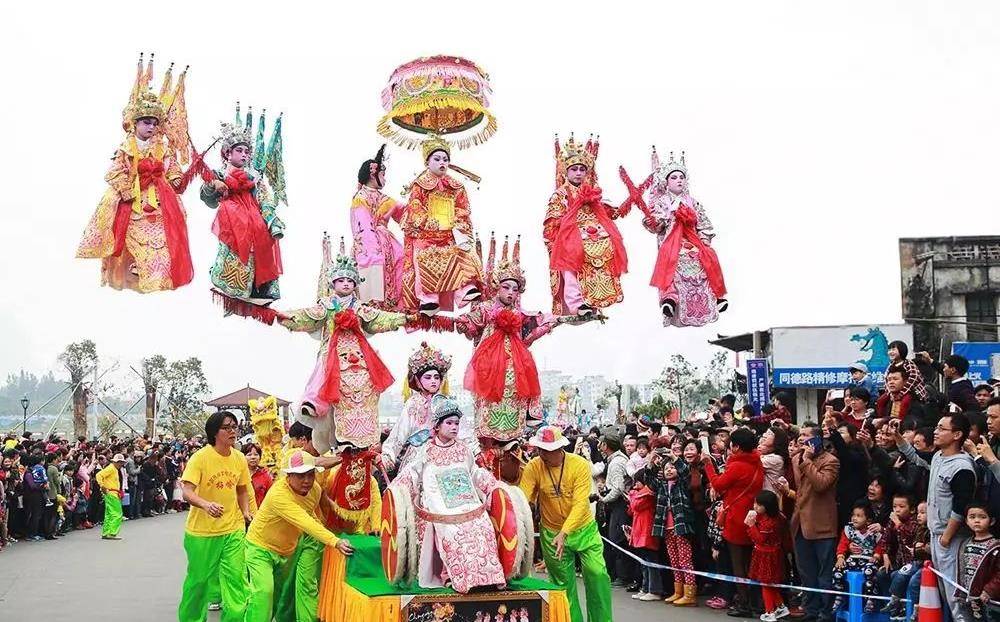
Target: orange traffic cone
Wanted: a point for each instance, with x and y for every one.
(929, 609)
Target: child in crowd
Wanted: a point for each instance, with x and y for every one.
(639, 458)
(979, 561)
(767, 529)
(674, 522)
(860, 548)
(641, 507)
(900, 547)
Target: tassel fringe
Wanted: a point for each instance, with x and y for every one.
(232, 306)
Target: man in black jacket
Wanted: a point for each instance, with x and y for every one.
(960, 390)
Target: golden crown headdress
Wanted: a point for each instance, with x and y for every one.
(572, 152)
(427, 357)
(432, 144)
(344, 267)
(169, 107)
(508, 268)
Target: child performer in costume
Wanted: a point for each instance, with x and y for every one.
(586, 254)
(560, 483)
(248, 263)
(139, 231)
(288, 510)
(502, 374)
(687, 275)
(109, 479)
(216, 482)
(378, 253)
(428, 371)
(349, 377)
(440, 269)
(458, 544)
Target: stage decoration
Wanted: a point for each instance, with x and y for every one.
(139, 230)
(341, 398)
(267, 430)
(441, 95)
(248, 262)
(586, 253)
(687, 274)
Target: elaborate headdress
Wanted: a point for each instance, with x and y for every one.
(268, 157)
(422, 360)
(572, 152)
(437, 95)
(343, 267)
(169, 107)
(427, 357)
(371, 168)
(662, 172)
(507, 269)
(443, 406)
(432, 144)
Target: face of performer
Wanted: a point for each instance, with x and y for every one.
(301, 483)
(576, 173)
(146, 127)
(380, 178)
(430, 381)
(239, 155)
(437, 163)
(508, 292)
(344, 286)
(447, 429)
(677, 182)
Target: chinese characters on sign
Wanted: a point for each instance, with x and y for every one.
(758, 384)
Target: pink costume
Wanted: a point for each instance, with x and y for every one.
(378, 253)
(687, 271)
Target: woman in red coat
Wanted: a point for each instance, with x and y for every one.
(641, 507)
(738, 486)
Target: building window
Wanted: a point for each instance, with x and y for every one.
(981, 314)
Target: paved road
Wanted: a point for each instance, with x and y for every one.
(81, 578)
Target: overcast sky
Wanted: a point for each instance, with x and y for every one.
(817, 134)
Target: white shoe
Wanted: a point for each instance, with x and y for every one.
(780, 612)
(768, 617)
(649, 597)
(218, 607)
(638, 595)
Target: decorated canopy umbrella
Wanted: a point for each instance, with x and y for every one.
(438, 95)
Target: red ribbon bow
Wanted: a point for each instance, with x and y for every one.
(685, 230)
(486, 374)
(238, 181)
(347, 321)
(149, 171)
(567, 252)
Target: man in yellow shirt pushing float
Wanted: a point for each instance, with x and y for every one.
(288, 510)
(560, 482)
(109, 480)
(216, 483)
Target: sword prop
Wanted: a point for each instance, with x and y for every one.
(197, 167)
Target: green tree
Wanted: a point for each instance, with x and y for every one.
(185, 393)
(79, 359)
(154, 372)
(692, 385)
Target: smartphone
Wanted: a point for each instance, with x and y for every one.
(816, 442)
(704, 445)
(834, 394)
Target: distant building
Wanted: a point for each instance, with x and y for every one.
(950, 288)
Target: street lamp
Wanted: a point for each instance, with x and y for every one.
(24, 405)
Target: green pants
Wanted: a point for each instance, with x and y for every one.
(214, 591)
(112, 514)
(585, 543)
(219, 559)
(267, 576)
(299, 601)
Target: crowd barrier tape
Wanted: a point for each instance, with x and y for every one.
(960, 588)
(745, 581)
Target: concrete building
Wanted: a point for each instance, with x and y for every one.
(950, 288)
